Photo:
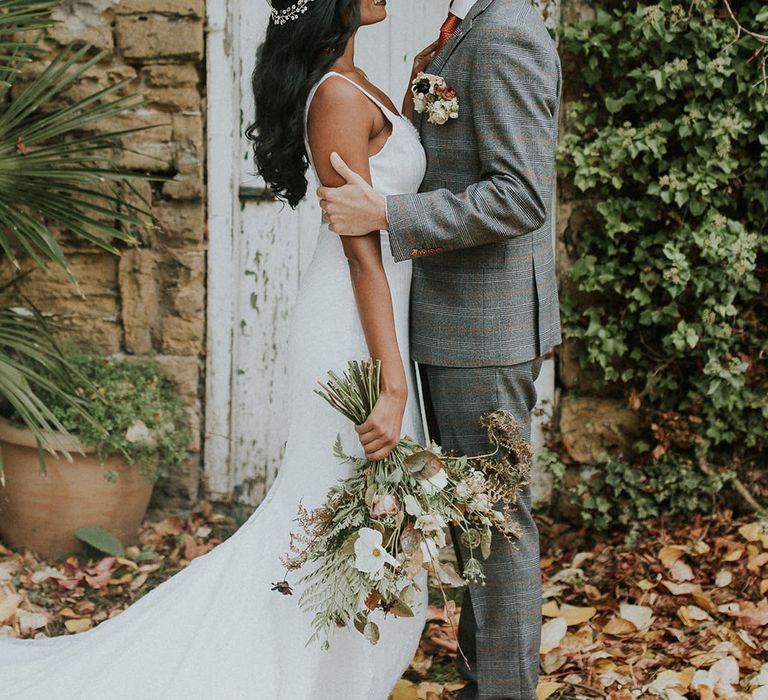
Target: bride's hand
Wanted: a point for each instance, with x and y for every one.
(381, 433)
(420, 64)
(423, 59)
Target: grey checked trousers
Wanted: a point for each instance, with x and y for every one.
(500, 627)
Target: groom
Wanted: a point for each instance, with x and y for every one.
(484, 305)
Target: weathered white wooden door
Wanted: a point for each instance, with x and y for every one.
(258, 248)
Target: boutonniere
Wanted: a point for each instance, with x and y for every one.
(431, 94)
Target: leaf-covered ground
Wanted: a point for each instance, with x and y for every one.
(681, 612)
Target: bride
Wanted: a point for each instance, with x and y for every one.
(216, 630)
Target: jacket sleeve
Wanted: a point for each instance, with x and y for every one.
(514, 100)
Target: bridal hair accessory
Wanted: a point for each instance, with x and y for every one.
(431, 94)
(291, 13)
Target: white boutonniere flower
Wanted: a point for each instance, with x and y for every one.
(431, 94)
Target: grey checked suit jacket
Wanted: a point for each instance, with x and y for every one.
(480, 230)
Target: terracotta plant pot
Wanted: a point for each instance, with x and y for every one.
(42, 511)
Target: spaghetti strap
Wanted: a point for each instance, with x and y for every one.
(387, 111)
(391, 116)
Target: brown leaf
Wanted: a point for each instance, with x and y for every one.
(172, 525)
(752, 615)
(757, 562)
(619, 627)
(404, 690)
(8, 606)
(680, 571)
(78, 624)
(670, 554)
(681, 588)
(575, 615)
(546, 689)
(550, 609)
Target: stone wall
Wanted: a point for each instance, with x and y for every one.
(150, 299)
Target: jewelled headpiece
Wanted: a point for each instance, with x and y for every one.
(290, 13)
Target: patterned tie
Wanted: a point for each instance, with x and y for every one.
(446, 31)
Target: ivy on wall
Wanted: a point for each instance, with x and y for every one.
(667, 147)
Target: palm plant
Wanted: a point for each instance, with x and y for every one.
(56, 177)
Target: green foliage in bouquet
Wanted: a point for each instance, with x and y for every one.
(365, 548)
(668, 146)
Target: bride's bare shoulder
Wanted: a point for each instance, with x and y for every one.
(337, 98)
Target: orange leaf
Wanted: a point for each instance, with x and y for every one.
(79, 624)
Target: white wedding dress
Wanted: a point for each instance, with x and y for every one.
(215, 631)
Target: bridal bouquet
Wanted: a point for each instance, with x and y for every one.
(364, 548)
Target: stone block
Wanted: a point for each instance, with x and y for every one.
(89, 316)
(183, 336)
(184, 372)
(95, 295)
(185, 97)
(144, 155)
(188, 183)
(100, 76)
(591, 427)
(186, 294)
(140, 297)
(83, 21)
(89, 331)
(172, 86)
(147, 124)
(188, 127)
(180, 222)
(170, 74)
(184, 8)
(153, 36)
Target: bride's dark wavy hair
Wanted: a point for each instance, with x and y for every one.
(293, 57)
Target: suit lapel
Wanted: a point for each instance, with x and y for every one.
(458, 36)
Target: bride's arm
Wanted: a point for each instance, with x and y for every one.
(342, 119)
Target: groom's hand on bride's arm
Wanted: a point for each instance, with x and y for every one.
(354, 209)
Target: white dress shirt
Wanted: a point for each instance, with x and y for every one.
(461, 8)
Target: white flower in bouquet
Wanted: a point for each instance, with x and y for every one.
(435, 483)
(464, 490)
(430, 522)
(370, 555)
(480, 503)
(412, 506)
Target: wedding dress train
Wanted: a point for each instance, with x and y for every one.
(215, 630)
